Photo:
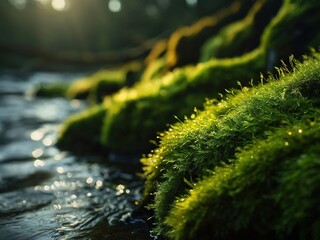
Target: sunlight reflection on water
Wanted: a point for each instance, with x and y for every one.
(49, 194)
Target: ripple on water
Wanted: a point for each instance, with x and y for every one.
(18, 202)
(49, 194)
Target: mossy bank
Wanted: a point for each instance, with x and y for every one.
(134, 115)
(231, 170)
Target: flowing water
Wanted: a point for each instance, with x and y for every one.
(49, 194)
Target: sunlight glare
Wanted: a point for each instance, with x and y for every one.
(58, 5)
(114, 5)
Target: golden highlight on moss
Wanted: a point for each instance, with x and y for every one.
(211, 137)
(184, 44)
(269, 192)
(135, 115)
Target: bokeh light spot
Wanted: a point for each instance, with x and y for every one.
(114, 5)
(58, 5)
(192, 3)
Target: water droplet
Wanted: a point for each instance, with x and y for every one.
(300, 131)
(120, 189)
(99, 184)
(37, 153)
(47, 141)
(38, 163)
(37, 135)
(60, 170)
(74, 204)
(89, 180)
(56, 206)
(56, 183)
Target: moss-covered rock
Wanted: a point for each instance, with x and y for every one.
(135, 115)
(155, 69)
(81, 132)
(269, 192)
(184, 45)
(50, 90)
(211, 137)
(243, 35)
(104, 82)
(158, 51)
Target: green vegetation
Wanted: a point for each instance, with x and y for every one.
(51, 90)
(134, 115)
(190, 151)
(243, 166)
(184, 44)
(241, 36)
(104, 82)
(95, 86)
(81, 132)
(269, 192)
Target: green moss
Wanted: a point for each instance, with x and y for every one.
(270, 192)
(213, 136)
(241, 36)
(158, 51)
(184, 45)
(155, 69)
(136, 114)
(51, 90)
(80, 132)
(104, 82)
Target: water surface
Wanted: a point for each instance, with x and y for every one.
(49, 194)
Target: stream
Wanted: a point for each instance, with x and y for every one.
(46, 193)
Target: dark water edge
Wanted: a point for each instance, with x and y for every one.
(49, 194)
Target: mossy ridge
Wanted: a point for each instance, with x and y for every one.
(104, 82)
(177, 93)
(269, 192)
(140, 103)
(155, 69)
(243, 35)
(158, 51)
(136, 114)
(295, 22)
(50, 90)
(213, 136)
(184, 44)
(80, 133)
